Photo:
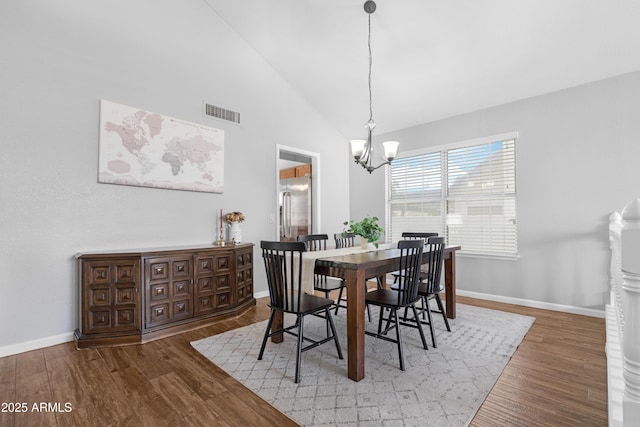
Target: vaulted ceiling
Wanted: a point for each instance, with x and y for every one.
(434, 59)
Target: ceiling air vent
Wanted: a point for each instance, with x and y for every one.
(221, 113)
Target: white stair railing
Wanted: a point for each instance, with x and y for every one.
(623, 317)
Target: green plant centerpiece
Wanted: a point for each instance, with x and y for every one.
(367, 228)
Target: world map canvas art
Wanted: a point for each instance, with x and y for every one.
(148, 149)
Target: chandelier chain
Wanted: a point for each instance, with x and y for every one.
(370, 64)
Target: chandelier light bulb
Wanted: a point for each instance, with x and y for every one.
(357, 148)
(390, 149)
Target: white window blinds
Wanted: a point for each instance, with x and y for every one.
(416, 195)
(466, 193)
(481, 198)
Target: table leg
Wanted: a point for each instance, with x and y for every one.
(355, 283)
(450, 284)
(278, 321)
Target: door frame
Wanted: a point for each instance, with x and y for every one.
(315, 187)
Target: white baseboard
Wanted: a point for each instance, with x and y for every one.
(534, 304)
(58, 339)
(261, 294)
(515, 301)
(63, 338)
(35, 344)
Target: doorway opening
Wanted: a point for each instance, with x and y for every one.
(298, 189)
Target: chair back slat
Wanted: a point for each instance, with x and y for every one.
(314, 242)
(344, 240)
(283, 265)
(410, 262)
(432, 269)
(413, 235)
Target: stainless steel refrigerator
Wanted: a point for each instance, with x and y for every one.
(295, 207)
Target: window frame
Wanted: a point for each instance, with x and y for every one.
(445, 197)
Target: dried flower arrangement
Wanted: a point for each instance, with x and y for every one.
(234, 217)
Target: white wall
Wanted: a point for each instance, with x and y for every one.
(577, 161)
(58, 60)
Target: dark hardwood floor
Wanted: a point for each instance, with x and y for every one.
(557, 377)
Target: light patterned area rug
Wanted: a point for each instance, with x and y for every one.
(442, 386)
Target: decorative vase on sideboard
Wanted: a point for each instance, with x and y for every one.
(235, 233)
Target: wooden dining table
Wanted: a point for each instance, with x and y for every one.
(356, 269)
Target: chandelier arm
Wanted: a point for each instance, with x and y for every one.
(372, 168)
(368, 164)
(369, 144)
(387, 162)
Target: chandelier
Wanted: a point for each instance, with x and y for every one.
(362, 149)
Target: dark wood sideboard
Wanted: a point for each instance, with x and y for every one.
(134, 296)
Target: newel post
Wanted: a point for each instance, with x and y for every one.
(615, 226)
(618, 299)
(630, 243)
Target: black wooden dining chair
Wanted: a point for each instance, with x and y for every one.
(430, 283)
(321, 283)
(314, 242)
(283, 265)
(404, 296)
(412, 235)
(415, 235)
(325, 284)
(344, 240)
